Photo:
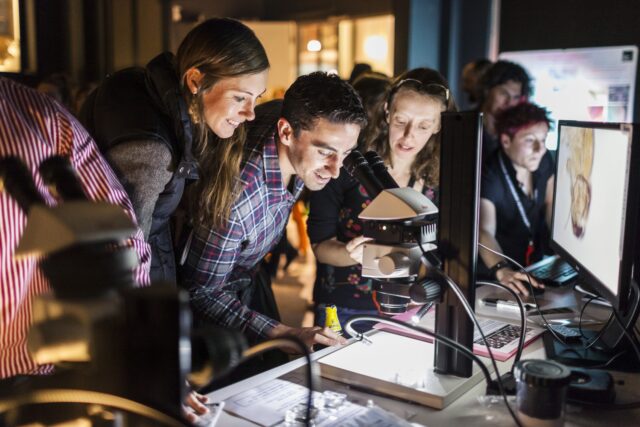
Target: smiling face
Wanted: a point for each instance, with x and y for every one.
(230, 101)
(413, 119)
(526, 148)
(316, 155)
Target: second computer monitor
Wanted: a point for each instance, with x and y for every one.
(595, 204)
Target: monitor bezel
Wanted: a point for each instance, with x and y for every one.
(629, 227)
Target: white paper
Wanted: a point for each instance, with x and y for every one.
(267, 404)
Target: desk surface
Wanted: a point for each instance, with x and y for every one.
(465, 411)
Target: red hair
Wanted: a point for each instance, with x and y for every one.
(523, 115)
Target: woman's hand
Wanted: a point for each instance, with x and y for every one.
(309, 336)
(517, 281)
(355, 247)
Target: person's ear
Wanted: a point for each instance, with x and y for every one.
(505, 140)
(285, 131)
(193, 78)
(386, 112)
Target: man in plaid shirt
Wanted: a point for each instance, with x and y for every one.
(299, 141)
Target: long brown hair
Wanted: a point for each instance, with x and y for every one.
(428, 82)
(219, 48)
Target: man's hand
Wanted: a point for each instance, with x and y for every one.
(355, 247)
(309, 336)
(517, 281)
(193, 406)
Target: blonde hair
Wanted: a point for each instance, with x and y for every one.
(429, 83)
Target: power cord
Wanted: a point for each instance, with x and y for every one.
(456, 290)
(626, 333)
(522, 269)
(615, 314)
(595, 339)
(359, 336)
(523, 317)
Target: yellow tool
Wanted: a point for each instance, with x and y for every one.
(331, 320)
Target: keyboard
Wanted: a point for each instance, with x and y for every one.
(503, 336)
(553, 271)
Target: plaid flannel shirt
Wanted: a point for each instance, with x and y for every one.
(221, 261)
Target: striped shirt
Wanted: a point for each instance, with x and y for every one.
(221, 261)
(33, 127)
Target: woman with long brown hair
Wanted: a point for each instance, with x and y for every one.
(406, 136)
(179, 119)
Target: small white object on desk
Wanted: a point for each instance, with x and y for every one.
(211, 418)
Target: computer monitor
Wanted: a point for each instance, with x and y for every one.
(595, 204)
(595, 211)
(458, 226)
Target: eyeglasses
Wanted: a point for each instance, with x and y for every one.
(429, 88)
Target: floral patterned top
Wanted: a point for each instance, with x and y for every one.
(334, 213)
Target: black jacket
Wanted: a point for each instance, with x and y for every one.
(142, 104)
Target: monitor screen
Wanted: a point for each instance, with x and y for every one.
(599, 81)
(590, 209)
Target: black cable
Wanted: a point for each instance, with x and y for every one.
(584, 307)
(445, 340)
(283, 342)
(626, 333)
(610, 361)
(522, 269)
(523, 318)
(547, 325)
(602, 330)
(359, 336)
(456, 290)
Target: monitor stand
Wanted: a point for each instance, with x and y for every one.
(604, 353)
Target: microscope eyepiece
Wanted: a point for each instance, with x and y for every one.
(380, 170)
(358, 167)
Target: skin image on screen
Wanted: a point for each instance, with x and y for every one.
(579, 143)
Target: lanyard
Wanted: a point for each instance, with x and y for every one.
(523, 214)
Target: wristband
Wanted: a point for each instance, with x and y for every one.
(501, 264)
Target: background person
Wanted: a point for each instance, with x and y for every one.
(33, 128)
(472, 73)
(505, 84)
(372, 89)
(516, 196)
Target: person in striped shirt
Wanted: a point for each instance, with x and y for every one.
(33, 127)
